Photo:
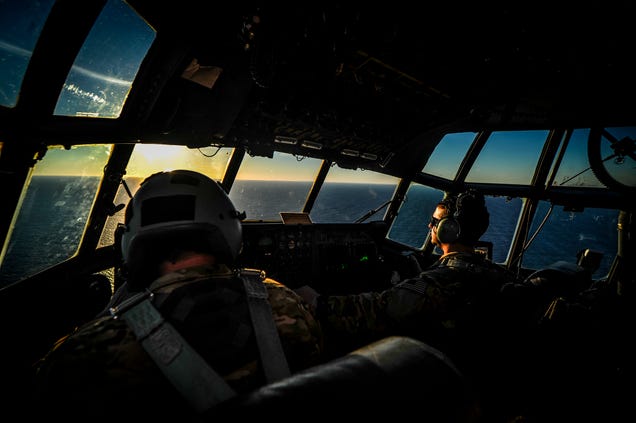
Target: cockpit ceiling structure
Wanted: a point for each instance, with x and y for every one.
(366, 78)
(374, 77)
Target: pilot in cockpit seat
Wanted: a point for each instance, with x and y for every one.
(187, 330)
(452, 305)
(435, 304)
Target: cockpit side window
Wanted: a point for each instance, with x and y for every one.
(504, 217)
(567, 232)
(410, 226)
(53, 210)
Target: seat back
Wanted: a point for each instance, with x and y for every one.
(393, 374)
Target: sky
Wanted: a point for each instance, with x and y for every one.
(89, 160)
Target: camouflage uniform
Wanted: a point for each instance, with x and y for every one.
(104, 371)
(446, 302)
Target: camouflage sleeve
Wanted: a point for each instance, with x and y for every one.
(425, 301)
(99, 370)
(389, 312)
(300, 333)
(355, 314)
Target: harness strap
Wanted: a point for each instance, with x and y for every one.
(180, 363)
(270, 348)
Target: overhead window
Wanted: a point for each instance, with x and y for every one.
(21, 23)
(449, 154)
(105, 68)
(509, 157)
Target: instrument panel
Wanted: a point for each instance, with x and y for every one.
(333, 258)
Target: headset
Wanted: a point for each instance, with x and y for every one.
(449, 228)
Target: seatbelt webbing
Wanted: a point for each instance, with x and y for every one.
(270, 348)
(180, 363)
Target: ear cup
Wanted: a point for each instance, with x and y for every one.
(448, 230)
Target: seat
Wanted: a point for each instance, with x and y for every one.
(561, 278)
(394, 371)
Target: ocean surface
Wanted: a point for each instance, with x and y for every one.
(55, 212)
